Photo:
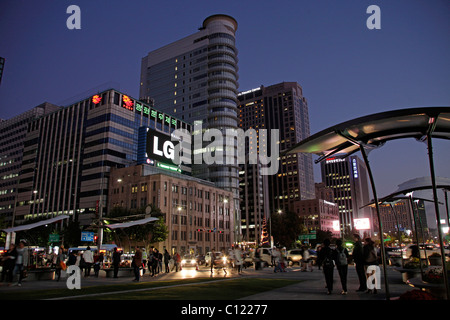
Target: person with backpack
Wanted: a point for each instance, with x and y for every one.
(342, 257)
(326, 258)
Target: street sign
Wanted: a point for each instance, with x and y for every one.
(87, 236)
(54, 237)
(307, 236)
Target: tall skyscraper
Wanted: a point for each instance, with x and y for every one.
(12, 137)
(195, 79)
(348, 180)
(281, 106)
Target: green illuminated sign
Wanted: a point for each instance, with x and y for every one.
(153, 113)
(138, 107)
(146, 110)
(168, 167)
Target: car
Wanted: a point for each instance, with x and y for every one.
(200, 259)
(429, 248)
(209, 256)
(265, 256)
(294, 256)
(189, 260)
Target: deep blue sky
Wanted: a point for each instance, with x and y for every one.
(345, 69)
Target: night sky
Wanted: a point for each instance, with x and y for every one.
(345, 69)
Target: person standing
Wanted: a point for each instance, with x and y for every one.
(21, 261)
(9, 262)
(306, 260)
(213, 257)
(342, 264)
(88, 258)
(238, 255)
(371, 265)
(326, 258)
(116, 262)
(358, 259)
(137, 263)
(166, 260)
(60, 259)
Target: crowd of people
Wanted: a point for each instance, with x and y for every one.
(366, 259)
(364, 256)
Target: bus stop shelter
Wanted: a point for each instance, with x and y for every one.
(373, 131)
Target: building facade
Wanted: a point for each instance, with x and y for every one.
(319, 214)
(348, 180)
(68, 154)
(281, 106)
(13, 133)
(196, 79)
(199, 216)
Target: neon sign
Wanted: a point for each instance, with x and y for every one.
(96, 99)
(127, 103)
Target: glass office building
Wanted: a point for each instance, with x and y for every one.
(195, 79)
(68, 154)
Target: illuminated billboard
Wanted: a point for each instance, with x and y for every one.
(362, 224)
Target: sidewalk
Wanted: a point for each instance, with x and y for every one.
(310, 287)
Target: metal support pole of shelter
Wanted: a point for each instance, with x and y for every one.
(380, 225)
(436, 206)
(416, 231)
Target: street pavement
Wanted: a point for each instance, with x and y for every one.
(310, 287)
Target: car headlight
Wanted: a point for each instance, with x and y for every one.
(183, 261)
(224, 259)
(193, 261)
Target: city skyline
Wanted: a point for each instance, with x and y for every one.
(345, 69)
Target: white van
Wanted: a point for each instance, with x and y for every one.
(265, 254)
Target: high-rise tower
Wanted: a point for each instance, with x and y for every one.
(281, 106)
(195, 79)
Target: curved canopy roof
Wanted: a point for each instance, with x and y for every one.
(130, 223)
(417, 184)
(36, 224)
(376, 129)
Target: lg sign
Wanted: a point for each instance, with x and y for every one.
(159, 146)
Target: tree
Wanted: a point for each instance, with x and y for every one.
(286, 228)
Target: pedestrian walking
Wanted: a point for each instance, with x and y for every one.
(60, 262)
(342, 257)
(306, 260)
(326, 258)
(21, 262)
(276, 255)
(239, 259)
(213, 257)
(166, 260)
(358, 259)
(137, 264)
(88, 258)
(116, 261)
(72, 260)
